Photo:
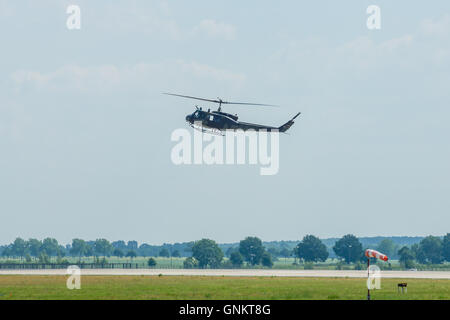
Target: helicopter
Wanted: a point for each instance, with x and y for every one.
(218, 121)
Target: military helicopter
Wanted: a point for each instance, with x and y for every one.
(218, 122)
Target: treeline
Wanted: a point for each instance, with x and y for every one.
(250, 251)
(349, 249)
(49, 249)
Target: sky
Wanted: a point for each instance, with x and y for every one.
(85, 131)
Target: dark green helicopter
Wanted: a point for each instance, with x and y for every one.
(218, 121)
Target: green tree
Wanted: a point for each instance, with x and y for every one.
(176, 254)
(164, 253)
(415, 249)
(207, 253)
(120, 244)
(266, 259)
(311, 249)
(131, 254)
(50, 247)
(102, 247)
(285, 253)
(43, 258)
(89, 249)
(132, 245)
(190, 263)
(406, 257)
(230, 250)
(118, 253)
(251, 249)
(349, 248)
(274, 252)
(388, 247)
(19, 247)
(236, 259)
(430, 250)
(79, 248)
(61, 252)
(7, 252)
(446, 247)
(151, 262)
(34, 247)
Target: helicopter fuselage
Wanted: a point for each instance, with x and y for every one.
(223, 121)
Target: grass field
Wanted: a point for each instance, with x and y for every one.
(202, 287)
(281, 263)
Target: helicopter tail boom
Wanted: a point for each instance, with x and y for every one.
(288, 124)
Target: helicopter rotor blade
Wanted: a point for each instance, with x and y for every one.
(250, 104)
(220, 101)
(179, 95)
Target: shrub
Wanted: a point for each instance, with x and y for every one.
(227, 264)
(236, 259)
(308, 266)
(266, 260)
(359, 266)
(190, 263)
(151, 262)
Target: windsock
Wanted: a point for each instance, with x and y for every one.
(375, 254)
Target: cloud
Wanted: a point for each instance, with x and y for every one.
(110, 77)
(214, 29)
(70, 76)
(156, 19)
(436, 27)
(397, 43)
(205, 71)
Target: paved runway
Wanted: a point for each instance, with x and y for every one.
(239, 273)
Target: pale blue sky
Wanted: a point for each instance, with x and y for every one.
(85, 132)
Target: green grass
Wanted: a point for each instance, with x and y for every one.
(281, 263)
(204, 287)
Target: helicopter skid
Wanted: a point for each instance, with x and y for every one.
(209, 130)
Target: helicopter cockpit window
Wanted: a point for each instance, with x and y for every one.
(197, 114)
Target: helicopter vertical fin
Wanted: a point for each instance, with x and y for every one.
(288, 124)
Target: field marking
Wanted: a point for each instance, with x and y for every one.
(238, 273)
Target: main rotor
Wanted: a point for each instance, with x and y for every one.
(220, 101)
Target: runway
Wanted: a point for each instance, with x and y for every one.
(238, 273)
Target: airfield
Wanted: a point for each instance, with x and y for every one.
(242, 285)
(237, 273)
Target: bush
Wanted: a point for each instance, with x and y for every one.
(308, 266)
(359, 266)
(266, 260)
(43, 258)
(151, 262)
(226, 264)
(190, 263)
(409, 264)
(98, 260)
(236, 259)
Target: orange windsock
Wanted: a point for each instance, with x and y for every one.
(375, 254)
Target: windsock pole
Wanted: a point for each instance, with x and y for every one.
(369, 253)
(368, 277)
